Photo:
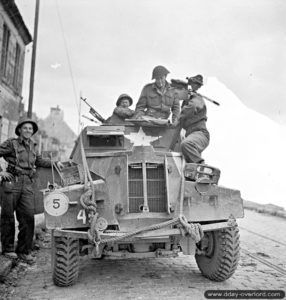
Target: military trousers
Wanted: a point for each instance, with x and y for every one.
(17, 196)
(193, 146)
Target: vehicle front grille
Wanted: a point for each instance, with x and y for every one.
(156, 187)
(136, 197)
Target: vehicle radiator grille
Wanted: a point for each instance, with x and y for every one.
(156, 188)
(136, 197)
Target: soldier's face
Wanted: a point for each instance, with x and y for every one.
(195, 86)
(160, 81)
(26, 130)
(124, 103)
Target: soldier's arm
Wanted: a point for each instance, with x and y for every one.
(46, 162)
(42, 162)
(123, 112)
(175, 110)
(141, 104)
(6, 148)
(129, 112)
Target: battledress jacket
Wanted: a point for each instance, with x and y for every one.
(120, 114)
(193, 116)
(154, 103)
(22, 156)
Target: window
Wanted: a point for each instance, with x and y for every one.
(16, 67)
(5, 49)
(106, 141)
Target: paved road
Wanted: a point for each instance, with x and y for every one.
(262, 266)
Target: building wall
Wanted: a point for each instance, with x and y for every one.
(11, 77)
(60, 137)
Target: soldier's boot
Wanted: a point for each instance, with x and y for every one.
(10, 255)
(27, 258)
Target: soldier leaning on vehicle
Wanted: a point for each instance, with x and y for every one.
(17, 190)
(158, 99)
(193, 119)
(122, 110)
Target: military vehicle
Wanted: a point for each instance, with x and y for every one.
(127, 193)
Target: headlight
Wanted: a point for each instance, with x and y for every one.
(56, 204)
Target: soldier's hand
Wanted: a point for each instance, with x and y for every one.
(60, 165)
(6, 176)
(138, 116)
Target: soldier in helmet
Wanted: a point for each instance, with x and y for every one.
(122, 110)
(193, 119)
(17, 191)
(158, 99)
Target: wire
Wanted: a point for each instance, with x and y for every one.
(68, 57)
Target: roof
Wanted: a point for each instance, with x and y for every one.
(14, 14)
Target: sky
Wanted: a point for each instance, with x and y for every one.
(101, 49)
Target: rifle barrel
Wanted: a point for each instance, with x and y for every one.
(93, 112)
(209, 99)
(205, 97)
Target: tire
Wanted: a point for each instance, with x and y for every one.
(65, 260)
(221, 256)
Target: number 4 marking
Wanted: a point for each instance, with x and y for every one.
(82, 216)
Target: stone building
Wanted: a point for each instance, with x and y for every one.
(56, 136)
(14, 37)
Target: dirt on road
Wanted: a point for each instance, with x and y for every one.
(262, 266)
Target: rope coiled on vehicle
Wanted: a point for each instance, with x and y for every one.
(194, 230)
(87, 199)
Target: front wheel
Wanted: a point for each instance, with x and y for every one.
(65, 260)
(219, 253)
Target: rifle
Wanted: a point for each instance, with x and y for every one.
(93, 112)
(90, 119)
(180, 84)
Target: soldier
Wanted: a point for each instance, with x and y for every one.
(122, 110)
(17, 190)
(193, 119)
(158, 99)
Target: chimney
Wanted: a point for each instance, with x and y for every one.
(57, 113)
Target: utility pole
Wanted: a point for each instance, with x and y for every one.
(33, 63)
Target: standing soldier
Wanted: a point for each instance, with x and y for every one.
(18, 195)
(193, 119)
(158, 99)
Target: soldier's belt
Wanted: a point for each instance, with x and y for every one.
(17, 171)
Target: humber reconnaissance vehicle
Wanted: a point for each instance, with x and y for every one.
(127, 193)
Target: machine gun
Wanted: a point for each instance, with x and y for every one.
(93, 112)
(180, 84)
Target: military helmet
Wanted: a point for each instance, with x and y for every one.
(24, 121)
(159, 71)
(197, 79)
(122, 97)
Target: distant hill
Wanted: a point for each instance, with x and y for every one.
(247, 146)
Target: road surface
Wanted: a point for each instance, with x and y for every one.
(262, 266)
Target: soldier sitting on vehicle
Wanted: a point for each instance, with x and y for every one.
(193, 119)
(158, 99)
(122, 110)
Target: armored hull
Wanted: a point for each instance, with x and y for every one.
(135, 196)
